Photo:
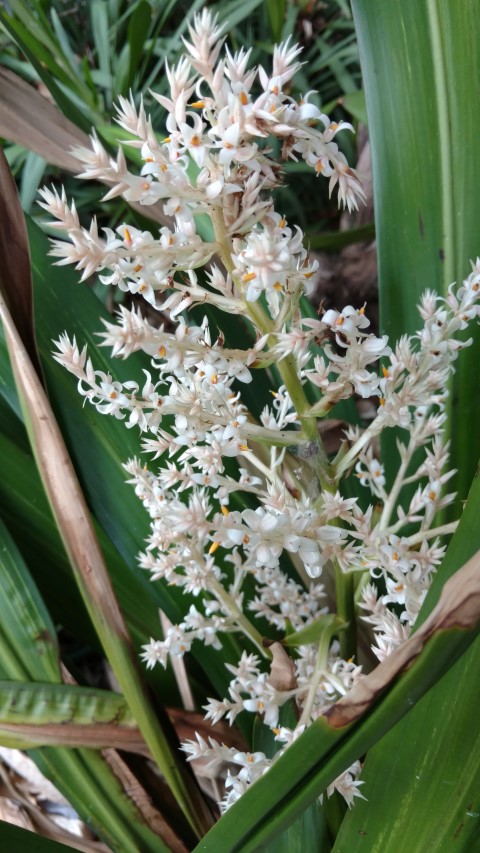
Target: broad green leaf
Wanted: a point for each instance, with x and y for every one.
(421, 72)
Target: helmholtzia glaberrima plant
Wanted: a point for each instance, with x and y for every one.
(275, 517)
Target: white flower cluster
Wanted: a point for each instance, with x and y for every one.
(246, 514)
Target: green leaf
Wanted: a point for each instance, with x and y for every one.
(333, 241)
(28, 643)
(276, 15)
(17, 840)
(138, 29)
(427, 766)
(324, 629)
(421, 72)
(100, 30)
(56, 79)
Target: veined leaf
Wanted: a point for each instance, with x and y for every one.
(35, 714)
(28, 643)
(421, 71)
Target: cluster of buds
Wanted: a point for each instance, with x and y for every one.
(248, 514)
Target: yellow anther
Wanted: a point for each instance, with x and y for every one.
(282, 222)
(145, 185)
(162, 351)
(243, 447)
(197, 105)
(225, 510)
(381, 400)
(195, 141)
(277, 286)
(249, 276)
(113, 395)
(213, 547)
(386, 373)
(128, 236)
(148, 159)
(307, 274)
(243, 98)
(214, 379)
(163, 167)
(319, 166)
(138, 268)
(167, 139)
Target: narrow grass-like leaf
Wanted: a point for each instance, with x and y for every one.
(28, 642)
(138, 29)
(31, 178)
(49, 72)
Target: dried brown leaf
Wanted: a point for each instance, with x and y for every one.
(282, 670)
(31, 120)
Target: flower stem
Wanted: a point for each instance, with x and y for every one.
(243, 623)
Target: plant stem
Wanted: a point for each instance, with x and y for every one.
(243, 623)
(345, 600)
